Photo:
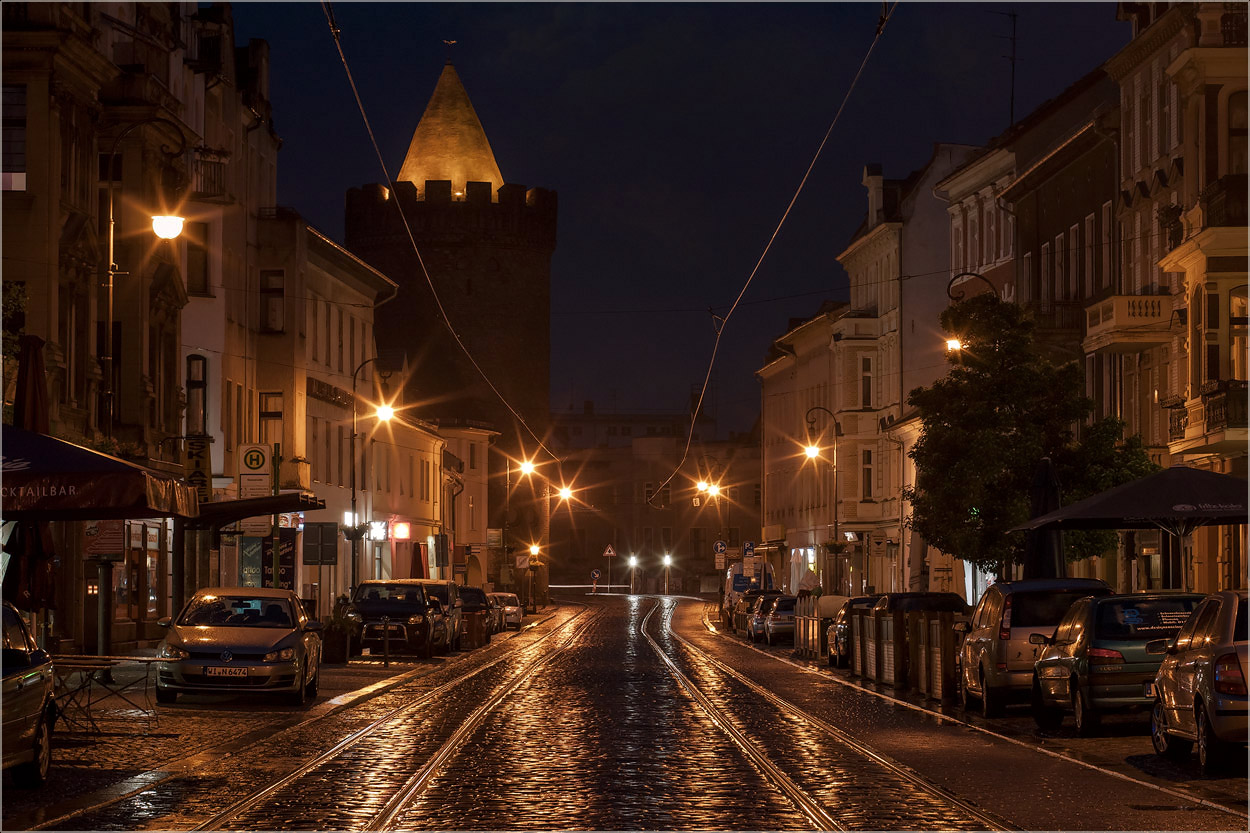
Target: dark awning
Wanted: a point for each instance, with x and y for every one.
(48, 479)
(224, 512)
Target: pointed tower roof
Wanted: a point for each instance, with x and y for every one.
(449, 142)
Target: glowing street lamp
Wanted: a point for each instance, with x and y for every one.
(668, 563)
(633, 564)
(384, 414)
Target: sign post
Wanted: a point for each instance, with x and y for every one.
(594, 580)
(609, 554)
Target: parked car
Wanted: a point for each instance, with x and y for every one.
(1199, 694)
(448, 595)
(494, 615)
(996, 659)
(513, 614)
(755, 619)
(240, 639)
(394, 617)
(779, 621)
(743, 608)
(838, 634)
(473, 602)
(1096, 660)
(935, 601)
(27, 703)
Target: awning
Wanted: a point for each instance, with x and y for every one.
(224, 512)
(48, 479)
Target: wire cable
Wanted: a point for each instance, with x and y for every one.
(721, 322)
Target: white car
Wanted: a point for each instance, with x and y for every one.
(513, 613)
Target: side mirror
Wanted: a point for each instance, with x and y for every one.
(1039, 639)
(961, 627)
(165, 621)
(1157, 646)
(314, 626)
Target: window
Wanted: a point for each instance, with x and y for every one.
(1030, 285)
(866, 473)
(865, 382)
(197, 394)
(271, 417)
(272, 283)
(1237, 310)
(227, 424)
(1045, 291)
(314, 330)
(472, 456)
(1236, 133)
(648, 492)
(14, 137)
(1088, 282)
(196, 235)
(1106, 276)
(338, 350)
(1075, 282)
(1060, 281)
(665, 495)
(341, 457)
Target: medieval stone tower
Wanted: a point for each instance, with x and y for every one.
(487, 246)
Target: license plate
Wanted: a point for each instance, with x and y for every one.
(1148, 690)
(224, 671)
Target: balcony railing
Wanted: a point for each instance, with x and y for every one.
(1178, 421)
(1127, 323)
(208, 179)
(1224, 202)
(1225, 407)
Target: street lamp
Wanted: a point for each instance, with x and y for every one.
(383, 413)
(813, 452)
(164, 226)
(956, 295)
(534, 550)
(633, 564)
(668, 563)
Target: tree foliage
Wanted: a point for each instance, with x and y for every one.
(988, 423)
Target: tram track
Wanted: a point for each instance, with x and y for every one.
(157, 787)
(813, 800)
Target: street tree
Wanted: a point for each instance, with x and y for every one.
(1003, 406)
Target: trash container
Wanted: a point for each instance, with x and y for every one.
(475, 629)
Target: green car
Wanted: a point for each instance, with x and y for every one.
(1096, 660)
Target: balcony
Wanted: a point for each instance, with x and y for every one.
(1212, 423)
(1215, 225)
(1127, 323)
(208, 178)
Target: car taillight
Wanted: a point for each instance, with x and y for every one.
(1228, 679)
(1004, 627)
(1104, 656)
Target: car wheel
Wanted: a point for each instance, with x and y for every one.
(1083, 713)
(33, 773)
(166, 695)
(299, 696)
(1211, 751)
(1165, 744)
(964, 696)
(314, 683)
(1045, 716)
(991, 700)
(833, 662)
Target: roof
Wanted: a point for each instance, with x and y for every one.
(449, 142)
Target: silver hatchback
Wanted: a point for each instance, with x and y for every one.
(1199, 693)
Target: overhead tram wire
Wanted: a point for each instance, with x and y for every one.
(335, 31)
(886, 12)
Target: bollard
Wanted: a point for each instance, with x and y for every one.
(386, 642)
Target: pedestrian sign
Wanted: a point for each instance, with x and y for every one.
(608, 552)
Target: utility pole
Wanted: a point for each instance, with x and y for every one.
(1012, 60)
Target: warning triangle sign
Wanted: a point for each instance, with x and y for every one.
(608, 552)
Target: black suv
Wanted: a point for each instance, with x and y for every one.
(398, 607)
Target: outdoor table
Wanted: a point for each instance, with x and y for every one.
(83, 682)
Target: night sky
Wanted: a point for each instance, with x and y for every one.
(676, 135)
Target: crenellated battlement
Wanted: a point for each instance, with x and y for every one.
(516, 216)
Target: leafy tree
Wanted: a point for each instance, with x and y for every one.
(987, 425)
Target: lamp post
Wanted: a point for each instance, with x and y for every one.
(668, 563)
(956, 295)
(526, 468)
(533, 572)
(384, 413)
(165, 226)
(633, 564)
(813, 452)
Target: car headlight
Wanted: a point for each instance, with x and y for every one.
(416, 619)
(172, 652)
(280, 655)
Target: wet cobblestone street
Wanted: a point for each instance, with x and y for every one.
(579, 722)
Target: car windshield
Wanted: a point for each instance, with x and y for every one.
(509, 600)
(438, 591)
(405, 594)
(472, 596)
(1043, 608)
(237, 612)
(1143, 618)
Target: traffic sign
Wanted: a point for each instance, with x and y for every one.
(719, 547)
(254, 459)
(608, 552)
(748, 549)
(595, 574)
